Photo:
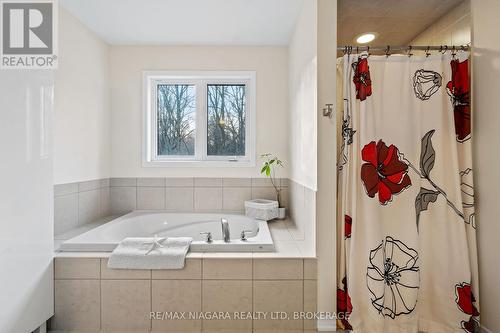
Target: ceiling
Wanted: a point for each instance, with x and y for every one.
(396, 22)
(188, 22)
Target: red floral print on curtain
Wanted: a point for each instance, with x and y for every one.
(458, 89)
(344, 307)
(465, 301)
(362, 79)
(347, 226)
(385, 172)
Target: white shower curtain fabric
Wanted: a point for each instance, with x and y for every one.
(407, 258)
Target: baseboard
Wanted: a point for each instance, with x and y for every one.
(41, 329)
(485, 330)
(326, 325)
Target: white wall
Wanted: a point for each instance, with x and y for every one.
(302, 71)
(486, 69)
(127, 64)
(326, 195)
(81, 119)
(301, 122)
(312, 73)
(26, 237)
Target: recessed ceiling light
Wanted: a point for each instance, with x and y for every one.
(365, 38)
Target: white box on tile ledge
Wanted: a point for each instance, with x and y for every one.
(262, 209)
(281, 213)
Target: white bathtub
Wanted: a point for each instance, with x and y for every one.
(149, 223)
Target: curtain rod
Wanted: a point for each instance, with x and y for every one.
(408, 48)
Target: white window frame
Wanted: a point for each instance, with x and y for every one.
(201, 80)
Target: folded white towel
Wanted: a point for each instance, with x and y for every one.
(150, 253)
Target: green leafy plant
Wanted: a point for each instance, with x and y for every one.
(269, 166)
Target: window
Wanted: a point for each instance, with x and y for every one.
(226, 119)
(202, 118)
(175, 119)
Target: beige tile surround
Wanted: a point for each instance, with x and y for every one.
(90, 297)
(188, 194)
(79, 203)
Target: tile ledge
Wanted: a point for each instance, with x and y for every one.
(84, 228)
(196, 255)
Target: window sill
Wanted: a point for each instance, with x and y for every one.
(196, 164)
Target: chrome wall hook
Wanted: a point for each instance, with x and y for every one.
(328, 111)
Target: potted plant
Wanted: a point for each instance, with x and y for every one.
(269, 167)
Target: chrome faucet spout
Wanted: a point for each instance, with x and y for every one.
(225, 230)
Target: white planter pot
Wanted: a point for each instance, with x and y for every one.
(281, 213)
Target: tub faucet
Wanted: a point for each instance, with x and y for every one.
(225, 230)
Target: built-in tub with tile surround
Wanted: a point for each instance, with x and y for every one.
(144, 223)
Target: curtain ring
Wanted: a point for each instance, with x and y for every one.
(388, 51)
(445, 49)
(427, 51)
(409, 51)
(453, 53)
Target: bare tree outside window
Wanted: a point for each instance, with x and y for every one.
(176, 119)
(226, 119)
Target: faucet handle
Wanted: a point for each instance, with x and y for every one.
(244, 233)
(208, 236)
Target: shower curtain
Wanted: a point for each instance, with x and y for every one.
(407, 258)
